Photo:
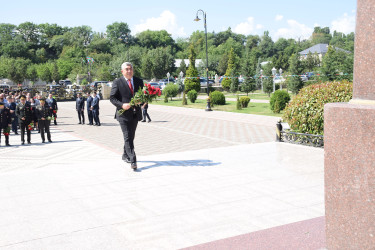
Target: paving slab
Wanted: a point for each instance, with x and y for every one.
(76, 193)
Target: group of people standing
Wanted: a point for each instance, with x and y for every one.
(92, 105)
(24, 112)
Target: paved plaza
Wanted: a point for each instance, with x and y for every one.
(203, 177)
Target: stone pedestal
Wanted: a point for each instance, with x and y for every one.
(349, 142)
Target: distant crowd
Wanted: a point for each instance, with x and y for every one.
(22, 112)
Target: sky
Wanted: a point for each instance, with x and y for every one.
(282, 18)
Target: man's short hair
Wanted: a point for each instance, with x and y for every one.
(125, 64)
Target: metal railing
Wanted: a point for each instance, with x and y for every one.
(298, 138)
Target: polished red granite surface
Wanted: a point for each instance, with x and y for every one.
(349, 145)
(364, 52)
(301, 235)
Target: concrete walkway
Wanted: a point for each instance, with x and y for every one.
(206, 184)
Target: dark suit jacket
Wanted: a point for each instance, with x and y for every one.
(89, 102)
(95, 103)
(80, 103)
(120, 94)
(52, 103)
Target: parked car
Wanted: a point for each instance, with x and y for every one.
(155, 85)
(65, 82)
(95, 84)
(203, 81)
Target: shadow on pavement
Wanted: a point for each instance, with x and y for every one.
(186, 163)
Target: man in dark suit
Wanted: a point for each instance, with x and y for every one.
(123, 89)
(89, 111)
(24, 114)
(5, 122)
(53, 106)
(95, 108)
(80, 107)
(43, 112)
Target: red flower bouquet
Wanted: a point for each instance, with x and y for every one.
(30, 126)
(146, 94)
(6, 131)
(54, 111)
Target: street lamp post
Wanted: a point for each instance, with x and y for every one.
(281, 79)
(261, 79)
(208, 108)
(274, 74)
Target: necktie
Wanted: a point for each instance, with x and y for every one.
(130, 86)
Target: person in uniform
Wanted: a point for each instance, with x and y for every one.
(95, 108)
(89, 111)
(53, 106)
(24, 114)
(80, 107)
(5, 122)
(43, 112)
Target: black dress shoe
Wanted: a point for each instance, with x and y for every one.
(29, 142)
(7, 144)
(134, 166)
(149, 121)
(43, 141)
(79, 123)
(126, 159)
(143, 120)
(23, 143)
(50, 140)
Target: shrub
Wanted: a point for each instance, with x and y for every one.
(225, 83)
(171, 90)
(217, 98)
(305, 112)
(278, 100)
(192, 83)
(238, 103)
(244, 100)
(192, 95)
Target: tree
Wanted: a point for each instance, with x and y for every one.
(44, 72)
(248, 86)
(321, 35)
(153, 39)
(157, 63)
(295, 82)
(182, 67)
(311, 61)
(55, 72)
(31, 73)
(118, 33)
(17, 69)
(266, 45)
(191, 80)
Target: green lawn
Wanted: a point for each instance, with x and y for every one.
(254, 108)
(256, 95)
